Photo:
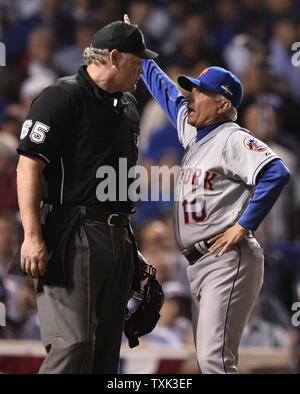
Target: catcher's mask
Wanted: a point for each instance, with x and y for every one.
(144, 319)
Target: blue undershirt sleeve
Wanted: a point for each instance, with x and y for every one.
(163, 89)
(270, 183)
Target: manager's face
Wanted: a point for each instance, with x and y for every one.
(202, 107)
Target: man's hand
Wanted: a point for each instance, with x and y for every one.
(34, 257)
(227, 239)
(126, 19)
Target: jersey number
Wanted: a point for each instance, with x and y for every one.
(38, 133)
(197, 209)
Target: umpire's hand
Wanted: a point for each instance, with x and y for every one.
(34, 257)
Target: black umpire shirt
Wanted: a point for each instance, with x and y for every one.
(74, 127)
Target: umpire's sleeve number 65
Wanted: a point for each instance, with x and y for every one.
(38, 133)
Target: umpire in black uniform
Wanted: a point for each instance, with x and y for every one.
(79, 248)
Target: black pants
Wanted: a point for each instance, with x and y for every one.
(82, 320)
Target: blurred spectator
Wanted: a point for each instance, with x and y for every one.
(173, 328)
(156, 241)
(153, 237)
(139, 11)
(281, 224)
(195, 43)
(263, 333)
(50, 15)
(164, 268)
(8, 188)
(4, 23)
(163, 26)
(40, 70)
(164, 152)
(280, 278)
(9, 242)
(3, 301)
(108, 11)
(29, 320)
(82, 10)
(68, 60)
(280, 7)
(11, 125)
(244, 50)
(164, 146)
(226, 19)
(286, 32)
(20, 9)
(41, 45)
(30, 88)
(3, 98)
(152, 119)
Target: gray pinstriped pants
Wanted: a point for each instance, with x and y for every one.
(224, 290)
(82, 321)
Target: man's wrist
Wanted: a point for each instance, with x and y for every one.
(241, 227)
(33, 236)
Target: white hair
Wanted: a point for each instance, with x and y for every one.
(93, 55)
(231, 112)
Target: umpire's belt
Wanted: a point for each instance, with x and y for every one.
(195, 252)
(111, 219)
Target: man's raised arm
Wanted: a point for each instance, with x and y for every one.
(161, 87)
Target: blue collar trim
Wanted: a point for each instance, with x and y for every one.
(203, 131)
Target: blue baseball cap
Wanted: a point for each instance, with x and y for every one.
(215, 80)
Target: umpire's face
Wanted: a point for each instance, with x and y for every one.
(128, 69)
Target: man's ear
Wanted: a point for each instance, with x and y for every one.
(223, 106)
(114, 57)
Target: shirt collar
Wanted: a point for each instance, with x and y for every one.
(98, 92)
(203, 131)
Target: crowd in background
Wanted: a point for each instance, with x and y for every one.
(44, 40)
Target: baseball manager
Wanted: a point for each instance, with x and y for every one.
(228, 183)
(81, 250)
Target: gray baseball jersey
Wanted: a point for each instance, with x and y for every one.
(217, 179)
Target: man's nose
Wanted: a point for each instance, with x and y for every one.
(141, 70)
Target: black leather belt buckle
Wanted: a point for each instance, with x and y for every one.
(117, 220)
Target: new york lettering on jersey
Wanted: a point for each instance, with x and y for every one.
(199, 179)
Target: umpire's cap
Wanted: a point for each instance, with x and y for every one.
(216, 80)
(124, 37)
